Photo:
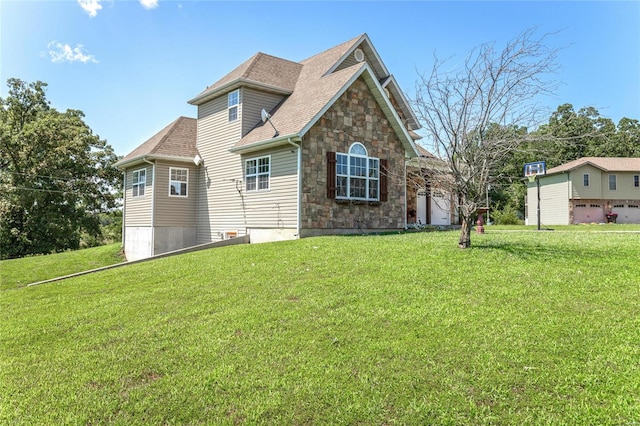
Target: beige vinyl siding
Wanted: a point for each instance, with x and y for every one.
(276, 207)
(594, 190)
(172, 210)
(624, 186)
(252, 103)
(218, 203)
(554, 200)
(138, 209)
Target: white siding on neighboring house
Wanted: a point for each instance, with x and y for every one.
(624, 186)
(554, 200)
(579, 191)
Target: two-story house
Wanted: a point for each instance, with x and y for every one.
(279, 150)
(586, 190)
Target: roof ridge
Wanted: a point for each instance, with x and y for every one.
(334, 47)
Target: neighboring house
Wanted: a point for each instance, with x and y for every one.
(329, 160)
(428, 203)
(586, 190)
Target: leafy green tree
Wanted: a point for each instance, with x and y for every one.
(56, 176)
(627, 140)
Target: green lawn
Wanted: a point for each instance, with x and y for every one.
(524, 328)
(16, 273)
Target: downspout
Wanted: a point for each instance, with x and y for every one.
(124, 207)
(405, 196)
(299, 185)
(153, 205)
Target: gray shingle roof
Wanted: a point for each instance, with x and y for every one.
(261, 69)
(312, 94)
(178, 139)
(608, 164)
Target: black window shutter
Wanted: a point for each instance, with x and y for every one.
(331, 175)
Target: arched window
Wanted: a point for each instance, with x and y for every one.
(357, 175)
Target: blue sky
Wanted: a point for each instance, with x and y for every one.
(131, 66)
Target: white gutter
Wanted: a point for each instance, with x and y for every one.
(405, 195)
(132, 161)
(124, 207)
(153, 204)
(267, 143)
(299, 186)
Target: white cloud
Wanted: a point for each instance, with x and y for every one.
(90, 6)
(149, 4)
(64, 53)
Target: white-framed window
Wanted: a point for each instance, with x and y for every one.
(257, 172)
(636, 181)
(612, 182)
(357, 175)
(585, 179)
(178, 182)
(233, 99)
(139, 181)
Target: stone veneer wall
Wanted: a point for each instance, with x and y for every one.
(354, 117)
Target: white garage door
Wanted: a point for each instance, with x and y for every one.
(588, 213)
(440, 209)
(630, 213)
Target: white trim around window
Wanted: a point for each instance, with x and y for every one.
(257, 173)
(585, 179)
(636, 181)
(613, 184)
(357, 175)
(138, 183)
(178, 182)
(233, 100)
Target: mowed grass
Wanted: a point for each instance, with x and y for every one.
(16, 273)
(524, 328)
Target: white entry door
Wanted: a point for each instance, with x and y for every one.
(440, 209)
(421, 214)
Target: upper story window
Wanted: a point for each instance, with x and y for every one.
(178, 182)
(612, 182)
(139, 181)
(357, 175)
(636, 181)
(233, 99)
(585, 179)
(257, 172)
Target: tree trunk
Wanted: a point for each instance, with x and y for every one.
(465, 233)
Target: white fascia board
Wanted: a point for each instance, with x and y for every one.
(364, 38)
(234, 84)
(391, 81)
(122, 165)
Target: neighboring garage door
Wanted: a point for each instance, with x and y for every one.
(588, 213)
(627, 213)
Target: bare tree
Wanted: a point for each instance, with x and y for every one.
(474, 116)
